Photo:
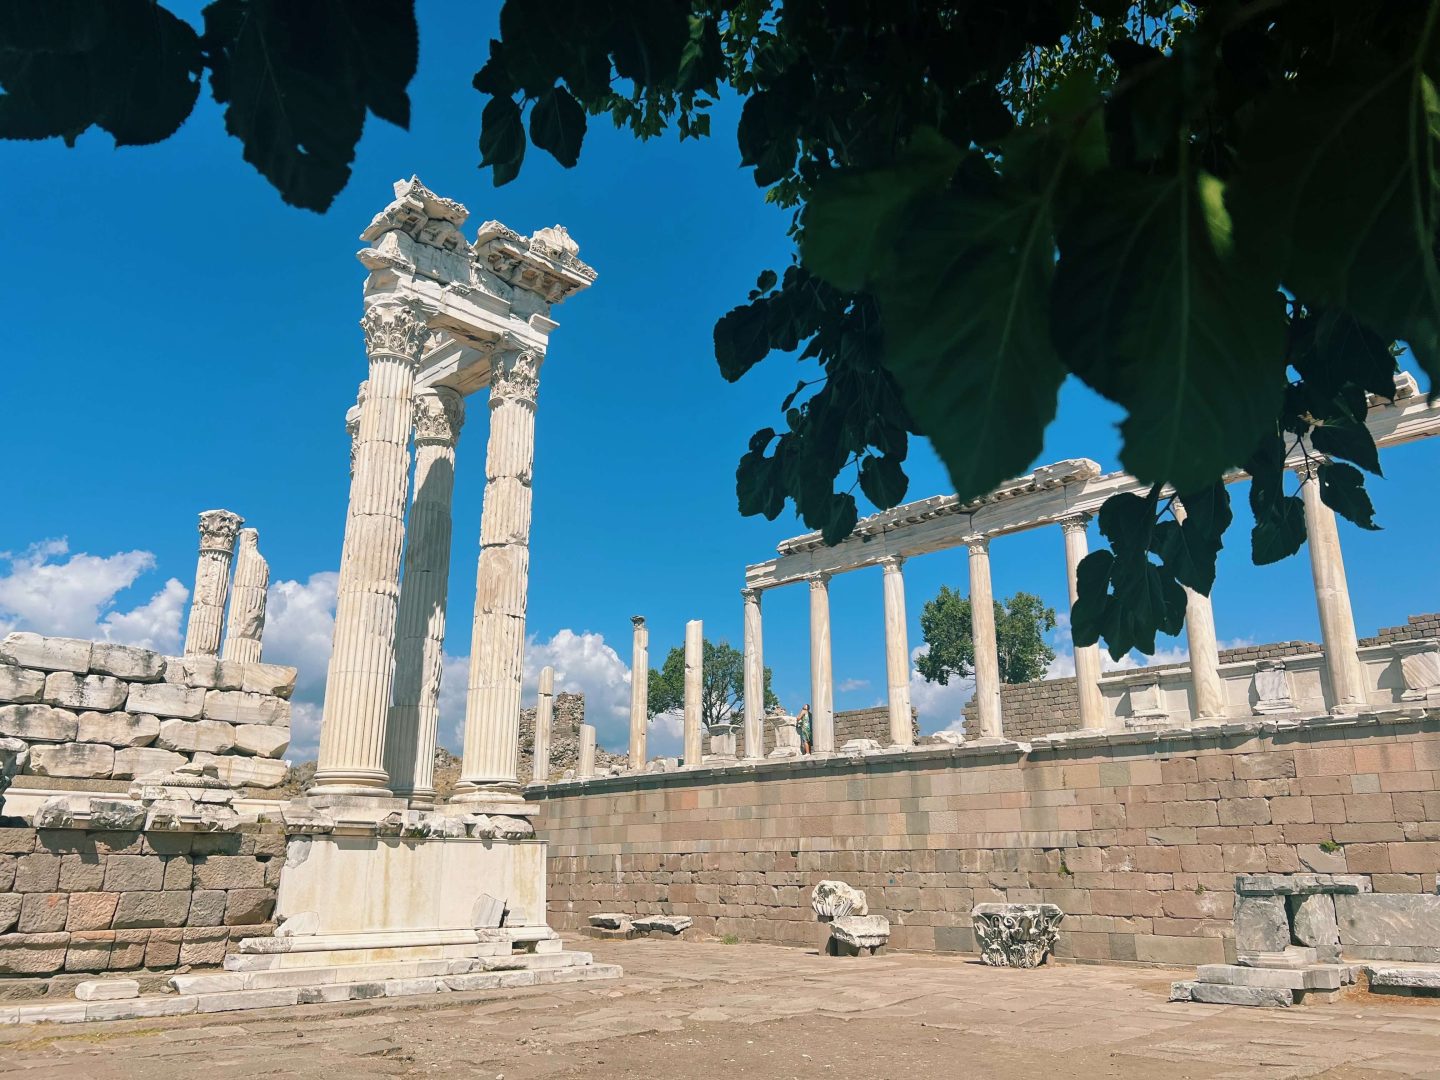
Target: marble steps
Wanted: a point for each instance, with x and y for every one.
(1404, 978)
(320, 974)
(372, 985)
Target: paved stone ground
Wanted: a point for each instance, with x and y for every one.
(713, 1011)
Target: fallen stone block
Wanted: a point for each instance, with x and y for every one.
(127, 662)
(1261, 997)
(103, 693)
(609, 921)
(21, 686)
(858, 935)
(107, 989)
(46, 653)
(1426, 977)
(81, 761)
(120, 729)
(666, 925)
(37, 723)
(1181, 991)
(167, 700)
(141, 1008)
(247, 999)
(1323, 977)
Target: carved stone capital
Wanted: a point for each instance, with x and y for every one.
(977, 545)
(515, 376)
(439, 416)
(818, 580)
(395, 330)
(637, 621)
(751, 596)
(1075, 522)
(218, 529)
(891, 564)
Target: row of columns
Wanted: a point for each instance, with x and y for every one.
(381, 708)
(1337, 623)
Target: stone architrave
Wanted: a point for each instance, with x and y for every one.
(544, 723)
(1087, 657)
(420, 635)
(362, 663)
(639, 692)
(490, 760)
(754, 660)
(1205, 680)
(1272, 688)
(1015, 935)
(1332, 595)
(694, 691)
(897, 654)
(218, 529)
(585, 768)
(822, 680)
(982, 632)
(246, 625)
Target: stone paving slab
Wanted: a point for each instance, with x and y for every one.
(696, 1010)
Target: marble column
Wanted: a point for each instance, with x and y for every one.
(1087, 657)
(361, 674)
(639, 692)
(490, 759)
(694, 691)
(246, 625)
(822, 682)
(982, 632)
(420, 636)
(1205, 679)
(897, 653)
(218, 529)
(1332, 595)
(585, 766)
(754, 677)
(544, 723)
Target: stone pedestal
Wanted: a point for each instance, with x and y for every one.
(787, 735)
(246, 625)
(218, 529)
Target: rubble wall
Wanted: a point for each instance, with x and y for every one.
(1137, 836)
(96, 711)
(94, 900)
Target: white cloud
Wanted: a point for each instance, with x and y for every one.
(940, 708)
(47, 593)
(304, 731)
(299, 625)
(852, 684)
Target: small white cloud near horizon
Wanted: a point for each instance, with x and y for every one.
(852, 684)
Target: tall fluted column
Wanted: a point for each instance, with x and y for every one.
(639, 692)
(822, 688)
(544, 722)
(694, 690)
(1332, 595)
(497, 640)
(754, 676)
(212, 582)
(1204, 648)
(585, 766)
(1087, 657)
(246, 625)
(982, 633)
(420, 636)
(897, 654)
(362, 662)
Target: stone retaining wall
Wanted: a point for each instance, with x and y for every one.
(102, 900)
(1137, 836)
(99, 711)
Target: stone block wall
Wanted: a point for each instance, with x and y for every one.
(102, 900)
(100, 711)
(1139, 838)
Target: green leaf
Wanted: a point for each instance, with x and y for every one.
(129, 67)
(296, 80)
(1152, 311)
(1092, 584)
(1126, 521)
(1342, 488)
(767, 137)
(1349, 439)
(502, 139)
(851, 218)
(1340, 350)
(1337, 194)
(766, 281)
(557, 124)
(742, 339)
(883, 481)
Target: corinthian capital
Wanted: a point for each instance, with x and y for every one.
(1075, 522)
(978, 545)
(395, 330)
(439, 415)
(515, 375)
(218, 529)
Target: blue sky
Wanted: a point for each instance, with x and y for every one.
(180, 339)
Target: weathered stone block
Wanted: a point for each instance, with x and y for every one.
(37, 873)
(262, 740)
(128, 949)
(134, 873)
(245, 771)
(117, 728)
(1389, 920)
(10, 904)
(137, 910)
(21, 685)
(88, 761)
(207, 908)
(204, 945)
(127, 662)
(274, 680)
(248, 907)
(46, 653)
(167, 700)
(1261, 997)
(163, 948)
(228, 872)
(1313, 923)
(238, 707)
(90, 950)
(37, 723)
(205, 672)
(190, 736)
(92, 911)
(67, 690)
(107, 990)
(32, 954)
(142, 762)
(43, 913)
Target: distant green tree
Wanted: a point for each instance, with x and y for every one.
(722, 697)
(1020, 623)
